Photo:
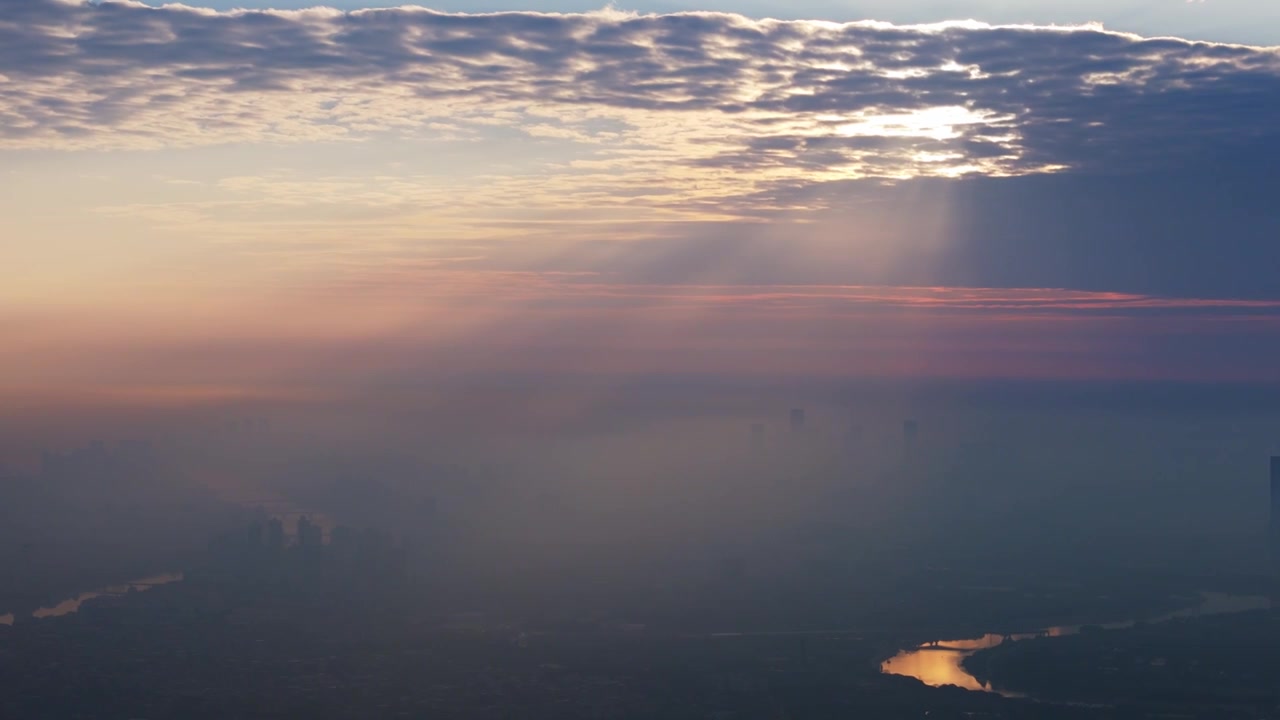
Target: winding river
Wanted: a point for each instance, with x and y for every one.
(941, 662)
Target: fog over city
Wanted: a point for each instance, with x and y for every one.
(664, 490)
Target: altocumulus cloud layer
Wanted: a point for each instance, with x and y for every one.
(721, 91)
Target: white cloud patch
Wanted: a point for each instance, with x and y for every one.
(709, 93)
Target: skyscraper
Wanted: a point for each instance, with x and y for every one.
(1274, 524)
(797, 419)
(275, 534)
(852, 437)
(257, 534)
(910, 429)
(309, 534)
(853, 432)
(1275, 490)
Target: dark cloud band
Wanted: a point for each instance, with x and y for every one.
(874, 98)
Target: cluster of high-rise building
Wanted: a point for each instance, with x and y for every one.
(797, 419)
(268, 559)
(1273, 530)
(272, 536)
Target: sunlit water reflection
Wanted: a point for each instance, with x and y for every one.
(73, 604)
(940, 662)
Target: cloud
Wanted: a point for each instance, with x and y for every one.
(708, 91)
(458, 323)
(1204, 229)
(694, 178)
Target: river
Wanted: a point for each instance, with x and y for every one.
(941, 662)
(72, 604)
(275, 507)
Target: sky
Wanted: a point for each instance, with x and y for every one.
(1235, 21)
(200, 202)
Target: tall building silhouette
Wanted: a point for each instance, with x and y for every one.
(309, 534)
(275, 534)
(257, 534)
(1273, 529)
(1275, 490)
(797, 419)
(853, 433)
